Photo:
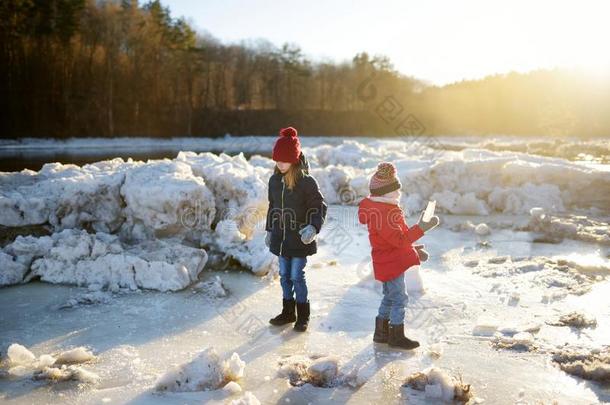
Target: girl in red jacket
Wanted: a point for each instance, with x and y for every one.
(392, 251)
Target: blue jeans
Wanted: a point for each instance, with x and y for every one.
(292, 278)
(394, 300)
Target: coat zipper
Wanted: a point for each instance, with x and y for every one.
(282, 222)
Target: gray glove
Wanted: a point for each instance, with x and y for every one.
(308, 234)
(268, 239)
(423, 255)
(426, 226)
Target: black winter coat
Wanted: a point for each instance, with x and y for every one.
(291, 210)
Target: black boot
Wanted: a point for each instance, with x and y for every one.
(302, 317)
(287, 315)
(396, 338)
(381, 330)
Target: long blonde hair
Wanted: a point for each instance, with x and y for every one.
(294, 173)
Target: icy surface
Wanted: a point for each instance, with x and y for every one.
(522, 250)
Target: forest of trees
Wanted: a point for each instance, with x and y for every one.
(124, 68)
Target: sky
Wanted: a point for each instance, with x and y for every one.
(437, 41)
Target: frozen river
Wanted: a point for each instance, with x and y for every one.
(520, 248)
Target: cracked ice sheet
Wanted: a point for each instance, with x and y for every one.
(137, 336)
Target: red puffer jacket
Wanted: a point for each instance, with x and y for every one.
(391, 239)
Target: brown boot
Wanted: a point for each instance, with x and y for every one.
(381, 330)
(287, 315)
(396, 338)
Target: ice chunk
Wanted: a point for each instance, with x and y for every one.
(434, 391)
(320, 371)
(429, 212)
(213, 288)
(101, 260)
(76, 355)
(165, 198)
(88, 298)
(438, 385)
(234, 367)
(240, 193)
(13, 271)
(555, 228)
(247, 399)
(522, 341)
(65, 196)
(66, 373)
(232, 388)
(323, 371)
(588, 364)
(205, 372)
(482, 229)
(19, 355)
(413, 280)
(485, 327)
(575, 319)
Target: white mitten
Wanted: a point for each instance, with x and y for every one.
(308, 234)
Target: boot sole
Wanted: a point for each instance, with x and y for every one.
(403, 348)
(282, 323)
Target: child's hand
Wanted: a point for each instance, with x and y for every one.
(308, 234)
(426, 226)
(423, 255)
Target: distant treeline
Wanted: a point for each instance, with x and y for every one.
(120, 68)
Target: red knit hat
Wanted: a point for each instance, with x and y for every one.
(287, 147)
(384, 180)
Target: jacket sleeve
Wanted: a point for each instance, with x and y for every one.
(398, 234)
(268, 221)
(316, 207)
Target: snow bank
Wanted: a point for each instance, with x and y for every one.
(239, 188)
(182, 199)
(471, 181)
(240, 191)
(165, 198)
(220, 201)
(438, 385)
(65, 196)
(101, 260)
(205, 372)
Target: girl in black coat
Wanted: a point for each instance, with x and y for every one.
(295, 216)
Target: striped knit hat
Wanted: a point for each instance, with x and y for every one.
(384, 180)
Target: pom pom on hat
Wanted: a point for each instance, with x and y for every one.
(289, 131)
(384, 180)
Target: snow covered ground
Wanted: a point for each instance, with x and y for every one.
(155, 268)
